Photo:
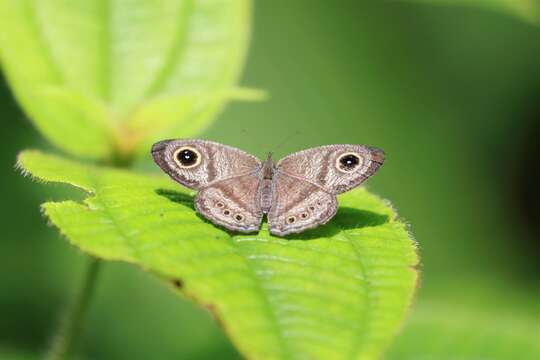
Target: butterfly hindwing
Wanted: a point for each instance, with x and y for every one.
(232, 203)
(298, 205)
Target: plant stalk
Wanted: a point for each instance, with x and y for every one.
(70, 327)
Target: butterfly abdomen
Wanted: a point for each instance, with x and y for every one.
(266, 195)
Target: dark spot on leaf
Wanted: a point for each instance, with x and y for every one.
(177, 283)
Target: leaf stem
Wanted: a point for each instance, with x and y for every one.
(70, 327)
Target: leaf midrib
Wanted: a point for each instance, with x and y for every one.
(175, 51)
(270, 310)
(360, 335)
(105, 51)
(31, 11)
(94, 180)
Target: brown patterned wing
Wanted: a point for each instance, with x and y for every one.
(232, 203)
(199, 163)
(298, 205)
(334, 168)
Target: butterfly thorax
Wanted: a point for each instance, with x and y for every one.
(266, 184)
(268, 167)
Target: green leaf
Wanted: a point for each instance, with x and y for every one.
(108, 77)
(339, 291)
(528, 10)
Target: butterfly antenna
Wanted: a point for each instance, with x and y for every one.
(285, 140)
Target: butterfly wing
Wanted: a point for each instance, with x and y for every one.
(334, 168)
(228, 180)
(298, 205)
(199, 163)
(232, 203)
(306, 184)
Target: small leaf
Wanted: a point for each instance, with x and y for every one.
(528, 10)
(336, 292)
(93, 74)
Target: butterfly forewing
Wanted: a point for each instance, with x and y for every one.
(199, 163)
(335, 168)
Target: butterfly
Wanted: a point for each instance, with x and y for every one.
(235, 189)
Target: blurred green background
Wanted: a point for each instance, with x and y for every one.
(452, 94)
